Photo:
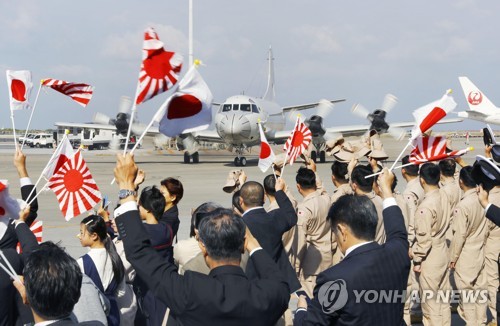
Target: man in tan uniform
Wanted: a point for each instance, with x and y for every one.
(313, 250)
(491, 255)
(340, 179)
(467, 249)
(430, 251)
(449, 184)
(364, 187)
(413, 196)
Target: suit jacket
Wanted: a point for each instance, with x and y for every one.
(9, 240)
(8, 310)
(268, 228)
(224, 297)
(368, 267)
(493, 213)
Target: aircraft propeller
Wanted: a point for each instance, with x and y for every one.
(378, 116)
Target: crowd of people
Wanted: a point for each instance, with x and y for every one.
(244, 265)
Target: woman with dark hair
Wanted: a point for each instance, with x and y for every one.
(173, 191)
(102, 263)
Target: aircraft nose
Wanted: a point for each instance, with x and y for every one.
(234, 127)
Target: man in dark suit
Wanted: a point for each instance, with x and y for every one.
(339, 293)
(269, 227)
(8, 239)
(224, 297)
(8, 310)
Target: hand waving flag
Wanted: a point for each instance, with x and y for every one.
(159, 70)
(298, 141)
(79, 92)
(74, 187)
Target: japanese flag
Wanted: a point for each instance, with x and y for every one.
(63, 153)
(20, 85)
(428, 115)
(189, 108)
(266, 157)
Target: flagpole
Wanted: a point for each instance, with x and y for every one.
(397, 167)
(132, 114)
(31, 116)
(56, 152)
(43, 188)
(14, 129)
(147, 128)
(401, 154)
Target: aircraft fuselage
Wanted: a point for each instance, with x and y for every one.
(237, 120)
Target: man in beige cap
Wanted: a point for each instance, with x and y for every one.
(430, 251)
(467, 249)
(313, 250)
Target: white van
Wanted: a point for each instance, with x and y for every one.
(42, 140)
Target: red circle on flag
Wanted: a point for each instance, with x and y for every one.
(2, 211)
(73, 180)
(18, 90)
(265, 150)
(183, 106)
(298, 138)
(157, 66)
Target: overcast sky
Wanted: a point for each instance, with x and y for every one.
(357, 50)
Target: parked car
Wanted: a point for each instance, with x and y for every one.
(42, 140)
(28, 138)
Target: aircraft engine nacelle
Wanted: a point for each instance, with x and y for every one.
(315, 124)
(377, 119)
(186, 142)
(121, 124)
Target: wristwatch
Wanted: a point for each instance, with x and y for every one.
(124, 193)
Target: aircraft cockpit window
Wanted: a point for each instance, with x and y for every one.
(245, 107)
(226, 108)
(236, 107)
(255, 109)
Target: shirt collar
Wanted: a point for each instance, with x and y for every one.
(356, 246)
(252, 209)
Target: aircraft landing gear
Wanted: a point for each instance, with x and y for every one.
(322, 156)
(240, 161)
(195, 156)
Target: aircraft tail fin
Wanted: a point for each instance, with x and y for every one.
(476, 100)
(269, 95)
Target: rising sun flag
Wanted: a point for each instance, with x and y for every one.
(75, 189)
(159, 70)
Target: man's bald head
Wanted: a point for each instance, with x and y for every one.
(252, 194)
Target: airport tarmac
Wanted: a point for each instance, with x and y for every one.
(202, 182)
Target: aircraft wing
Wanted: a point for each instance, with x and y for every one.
(306, 106)
(280, 137)
(208, 136)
